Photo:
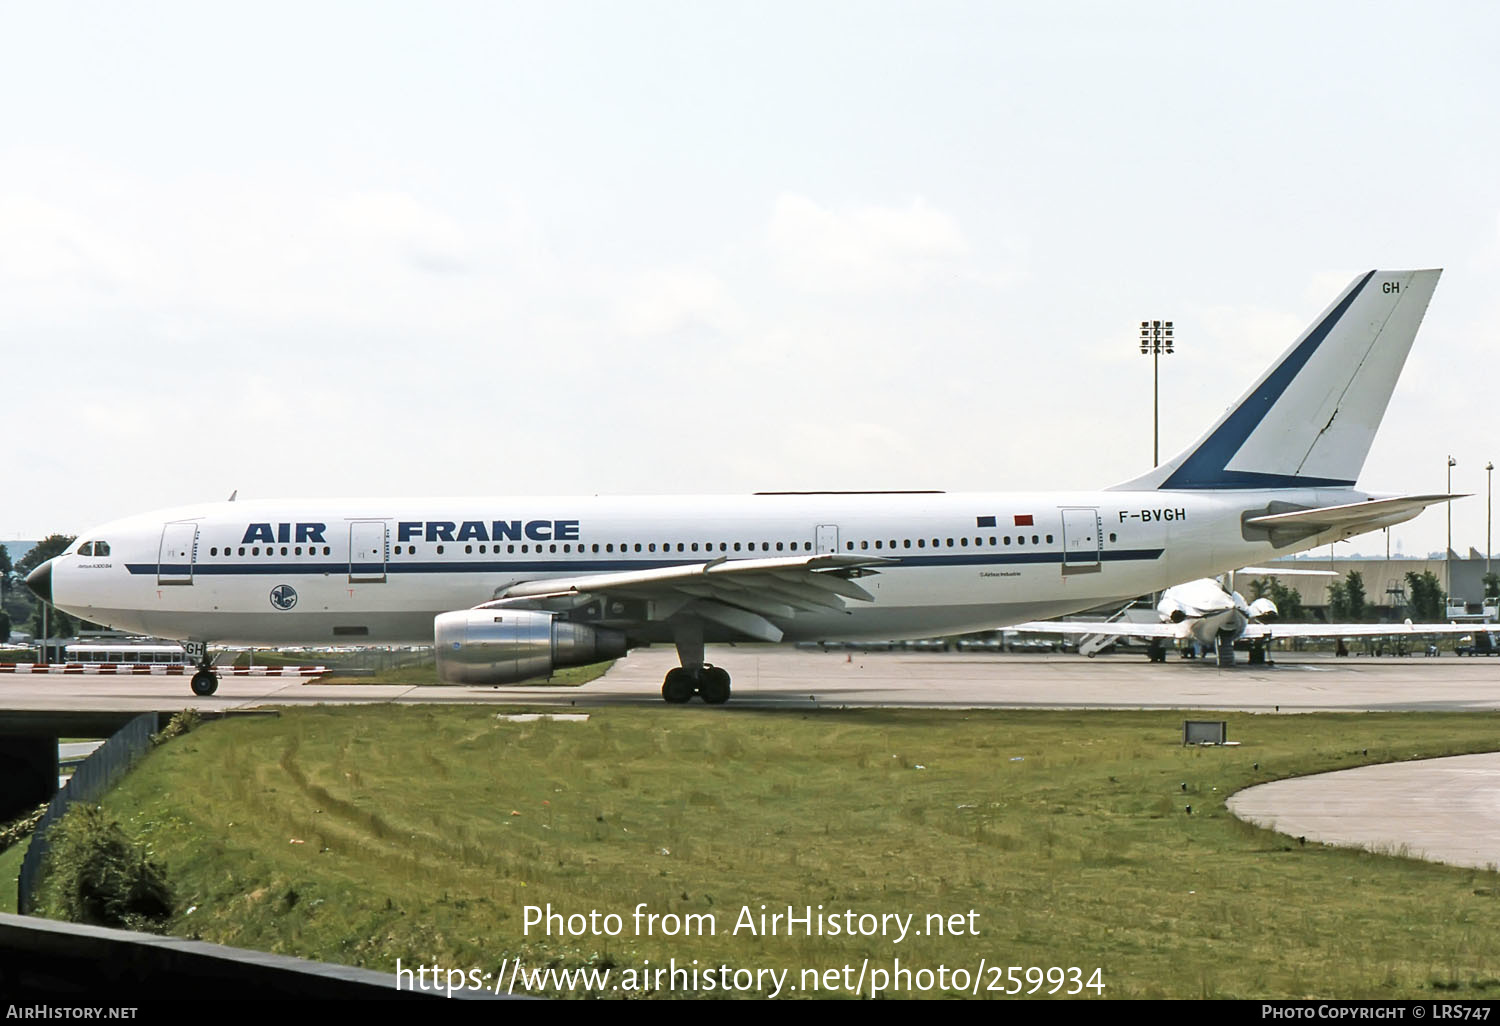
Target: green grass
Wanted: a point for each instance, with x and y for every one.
(366, 835)
(426, 673)
(10, 869)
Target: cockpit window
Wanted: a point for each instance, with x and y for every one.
(86, 549)
(101, 548)
(94, 548)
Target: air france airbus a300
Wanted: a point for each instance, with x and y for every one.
(512, 588)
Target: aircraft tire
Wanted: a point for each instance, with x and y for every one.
(205, 683)
(714, 685)
(678, 687)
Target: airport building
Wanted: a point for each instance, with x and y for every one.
(1386, 587)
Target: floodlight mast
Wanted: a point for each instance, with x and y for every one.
(1156, 338)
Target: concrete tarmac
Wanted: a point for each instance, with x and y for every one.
(1446, 809)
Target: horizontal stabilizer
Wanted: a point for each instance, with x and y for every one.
(1257, 632)
(1286, 571)
(1114, 629)
(1353, 517)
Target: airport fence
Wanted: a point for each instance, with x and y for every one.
(94, 776)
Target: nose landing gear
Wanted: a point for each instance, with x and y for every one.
(205, 682)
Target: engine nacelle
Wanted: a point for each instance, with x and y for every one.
(502, 646)
(1263, 609)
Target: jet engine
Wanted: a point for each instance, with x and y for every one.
(502, 646)
(1263, 609)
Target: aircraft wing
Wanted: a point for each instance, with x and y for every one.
(1258, 631)
(744, 595)
(1113, 628)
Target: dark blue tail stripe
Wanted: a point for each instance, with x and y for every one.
(1206, 466)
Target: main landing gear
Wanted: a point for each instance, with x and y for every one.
(205, 681)
(694, 676)
(682, 683)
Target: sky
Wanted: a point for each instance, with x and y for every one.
(590, 248)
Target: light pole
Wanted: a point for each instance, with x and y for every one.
(1156, 338)
(1448, 552)
(1489, 492)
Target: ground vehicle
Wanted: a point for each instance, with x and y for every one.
(1483, 643)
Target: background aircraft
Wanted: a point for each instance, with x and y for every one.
(1213, 616)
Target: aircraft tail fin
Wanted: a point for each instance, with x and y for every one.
(1309, 421)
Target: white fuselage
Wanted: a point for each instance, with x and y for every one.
(377, 571)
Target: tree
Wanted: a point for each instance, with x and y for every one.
(1354, 589)
(1491, 584)
(59, 624)
(1425, 597)
(5, 569)
(1338, 601)
(1288, 600)
(45, 549)
(4, 626)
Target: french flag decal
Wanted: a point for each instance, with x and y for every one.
(1023, 520)
(984, 521)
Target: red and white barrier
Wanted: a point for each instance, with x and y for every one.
(160, 670)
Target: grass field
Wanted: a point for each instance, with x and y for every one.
(425, 672)
(364, 835)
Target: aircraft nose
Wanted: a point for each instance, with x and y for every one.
(40, 582)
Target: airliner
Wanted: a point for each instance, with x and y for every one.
(1214, 616)
(508, 589)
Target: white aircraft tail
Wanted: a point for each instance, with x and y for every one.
(1309, 421)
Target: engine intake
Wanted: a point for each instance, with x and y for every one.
(488, 646)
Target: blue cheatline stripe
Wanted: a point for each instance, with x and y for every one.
(1206, 466)
(578, 567)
